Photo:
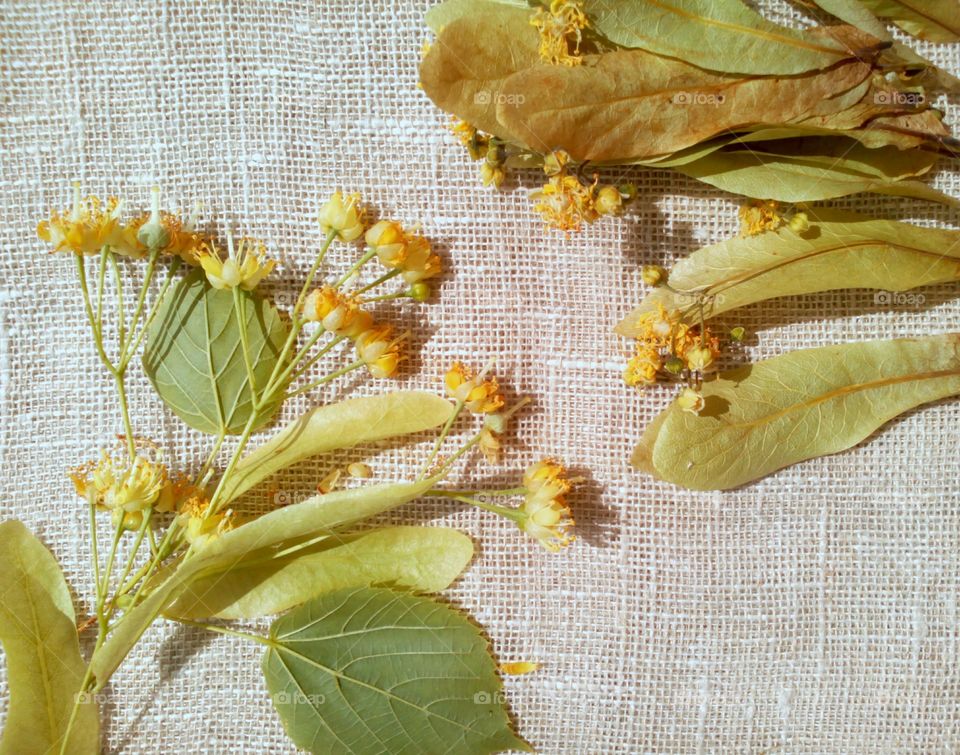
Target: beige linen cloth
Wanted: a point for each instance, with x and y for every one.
(815, 611)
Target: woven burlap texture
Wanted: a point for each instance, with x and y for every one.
(814, 611)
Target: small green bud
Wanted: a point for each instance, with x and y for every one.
(420, 291)
(152, 234)
(496, 422)
(674, 365)
(738, 333)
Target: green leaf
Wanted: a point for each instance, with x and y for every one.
(720, 35)
(342, 425)
(933, 20)
(839, 250)
(319, 515)
(815, 170)
(465, 69)
(373, 670)
(440, 15)
(855, 13)
(39, 634)
(194, 355)
(809, 403)
(631, 104)
(422, 559)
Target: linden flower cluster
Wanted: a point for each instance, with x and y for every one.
(128, 489)
(544, 513)
(668, 347)
(566, 203)
(91, 225)
(561, 32)
(405, 254)
(758, 217)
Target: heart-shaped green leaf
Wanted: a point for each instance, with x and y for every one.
(373, 670)
(422, 559)
(194, 355)
(44, 669)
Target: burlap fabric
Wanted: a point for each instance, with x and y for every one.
(815, 611)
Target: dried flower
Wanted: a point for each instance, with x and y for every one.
(565, 203)
(84, 229)
(643, 366)
(759, 217)
(244, 267)
(420, 263)
(492, 174)
(342, 215)
(608, 201)
(560, 30)
(653, 275)
(135, 485)
(475, 142)
(360, 470)
(479, 395)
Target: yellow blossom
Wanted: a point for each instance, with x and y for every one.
(359, 470)
(544, 513)
(127, 485)
(489, 443)
(758, 217)
(479, 395)
(388, 240)
(379, 350)
(335, 311)
(84, 229)
(244, 267)
(690, 401)
(565, 203)
(699, 357)
(800, 223)
(643, 366)
(475, 142)
(492, 174)
(199, 526)
(560, 30)
(420, 263)
(342, 215)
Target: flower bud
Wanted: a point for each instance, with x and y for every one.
(800, 223)
(690, 401)
(420, 291)
(653, 275)
(738, 333)
(389, 241)
(491, 174)
(608, 201)
(153, 234)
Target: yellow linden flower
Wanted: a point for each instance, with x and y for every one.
(758, 217)
(565, 203)
(388, 239)
(699, 357)
(690, 401)
(420, 262)
(560, 30)
(84, 229)
(608, 201)
(544, 513)
(343, 215)
(479, 395)
(336, 312)
(166, 232)
(244, 267)
(379, 350)
(121, 484)
(642, 368)
(490, 445)
(198, 527)
(653, 275)
(492, 174)
(475, 142)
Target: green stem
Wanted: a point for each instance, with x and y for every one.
(382, 279)
(142, 296)
(245, 343)
(131, 559)
(211, 457)
(125, 412)
(97, 340)
(367, 256)
(151, 314)
(466, 447)
(503, 511)
(324, 380)
(227, 630)
(386, 297)
(94, 549)
(105, 587)
(121, 319)
(301, 371)
(458, 407)
(100, 281)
